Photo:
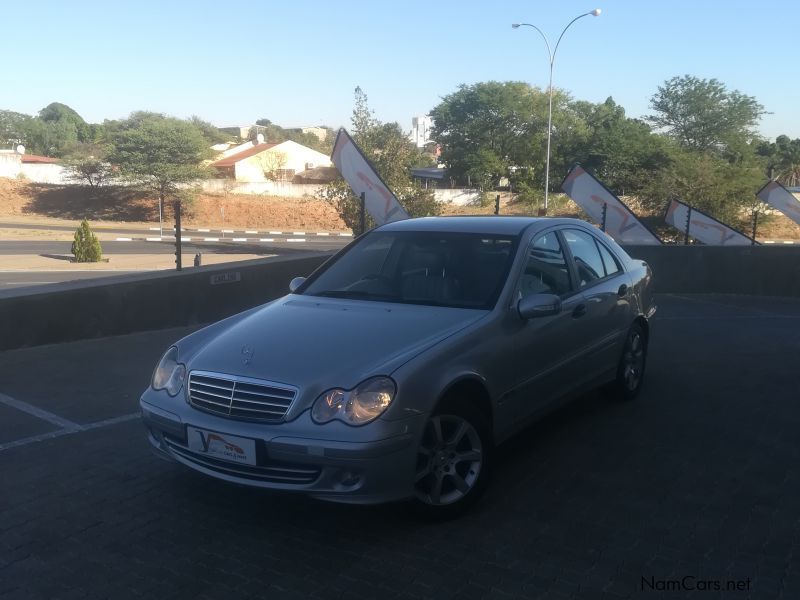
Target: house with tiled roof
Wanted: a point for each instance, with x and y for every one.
(259, 161)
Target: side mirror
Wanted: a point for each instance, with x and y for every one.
(538, 305)
(296, 283)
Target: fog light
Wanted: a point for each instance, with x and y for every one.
(348, 478)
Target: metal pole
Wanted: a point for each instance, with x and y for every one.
(755, 227)
(497, 204)
(363, 214)
(178, 250)
(549, 132)
(603, 221)
(688, 220)
(160, 221)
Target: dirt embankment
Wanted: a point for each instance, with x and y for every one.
(25, 200)
(22, 200)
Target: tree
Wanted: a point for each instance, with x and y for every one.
(488, 128)
(55, 112)
(709, 182)
(212, 134)
(12, 127)
(783, 159)
(160, 153)
(276, 134)
(624, 153)
(88, 165)
(85, 245)
(392, 154)
(702, 114)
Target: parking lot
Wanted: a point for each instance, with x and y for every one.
(696, 483)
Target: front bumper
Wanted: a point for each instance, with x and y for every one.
(376, 464)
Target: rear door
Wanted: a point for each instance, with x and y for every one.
(604, 285)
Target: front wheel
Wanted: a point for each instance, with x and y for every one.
(453, 461)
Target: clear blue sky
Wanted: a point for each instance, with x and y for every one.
(297, 63)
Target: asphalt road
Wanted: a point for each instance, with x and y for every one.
(277, 246)
(695, 484)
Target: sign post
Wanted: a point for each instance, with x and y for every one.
(177, 206)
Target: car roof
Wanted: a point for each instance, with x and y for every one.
(492, 225)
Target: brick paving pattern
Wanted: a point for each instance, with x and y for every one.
(698, 478)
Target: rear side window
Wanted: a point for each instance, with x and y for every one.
(609, 262)
(588, 261)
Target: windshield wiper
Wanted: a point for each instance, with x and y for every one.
(354, 294)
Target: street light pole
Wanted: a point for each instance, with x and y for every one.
(552, 57)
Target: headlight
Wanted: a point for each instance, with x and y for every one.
(365, 403)
(169, 373)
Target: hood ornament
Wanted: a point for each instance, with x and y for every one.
(247, 354)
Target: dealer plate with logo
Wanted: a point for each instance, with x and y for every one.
(222, 445)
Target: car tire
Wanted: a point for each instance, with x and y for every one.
(454, 460)
(632, 364)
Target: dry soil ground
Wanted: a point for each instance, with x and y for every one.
(25, 202)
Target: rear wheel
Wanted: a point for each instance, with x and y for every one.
(453, 460)
(632, 363)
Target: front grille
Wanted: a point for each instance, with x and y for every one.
(239, 398)
(285, 473)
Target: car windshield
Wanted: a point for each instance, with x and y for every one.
(459, 270)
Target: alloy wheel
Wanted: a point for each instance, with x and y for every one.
(449, 460)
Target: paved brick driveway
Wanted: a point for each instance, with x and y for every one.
(698, 480)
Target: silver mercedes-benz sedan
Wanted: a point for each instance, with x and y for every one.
(394, 370)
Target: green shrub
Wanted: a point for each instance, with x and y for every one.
(86, 247)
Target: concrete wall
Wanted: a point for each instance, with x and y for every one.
(10, 164)
(749, 270)
(270, 188)
(457, 196)
(45, 173)
(128, 303)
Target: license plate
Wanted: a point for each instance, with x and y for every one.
(222, 445)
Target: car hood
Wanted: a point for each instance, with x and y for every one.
(318, 343)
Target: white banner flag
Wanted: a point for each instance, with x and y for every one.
(703, 227)
(779, 197)
(619, 222)
(380, 202)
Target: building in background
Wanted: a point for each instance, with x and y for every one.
(258, 161)
(421, 127)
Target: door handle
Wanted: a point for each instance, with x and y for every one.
(579, 311)
(622, 291)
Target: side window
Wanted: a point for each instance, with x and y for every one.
(609, 262)
(587, 258)
(545, 269)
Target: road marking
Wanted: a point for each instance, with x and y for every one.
(210, 239)
(769, 241)
(204, 231)
(28, 282)
(296, 240)
(62, 432)
(186, 239)
(38, 412)
(266, 240)
(323, 233)
(345, 235)
(227, 231)
(276, 233)
(124, 239)
(238, 239)
(788, 242)
(298, 233)
(153, 239)
(155, 228)
(254, 232)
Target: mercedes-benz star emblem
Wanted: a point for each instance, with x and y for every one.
(247, 354)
